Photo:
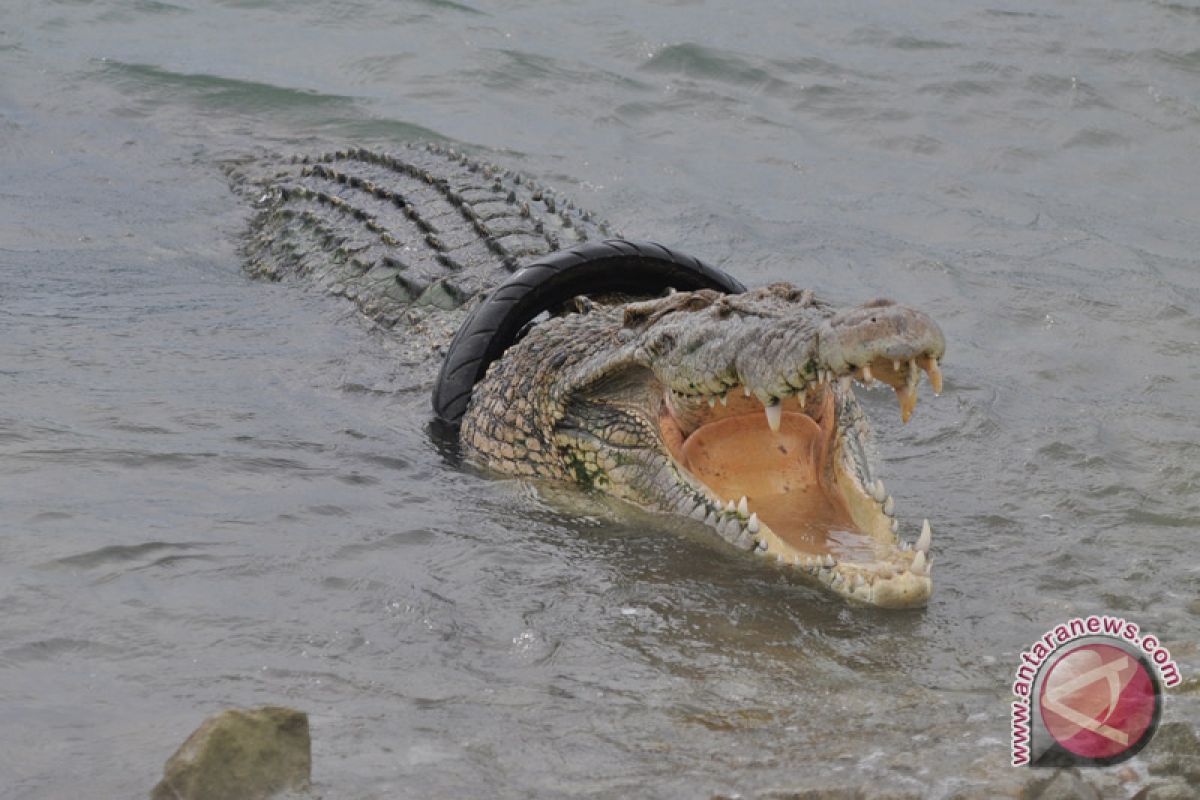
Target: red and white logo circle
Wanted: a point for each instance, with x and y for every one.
(1099, 702)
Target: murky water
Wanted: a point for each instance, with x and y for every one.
(219, 492)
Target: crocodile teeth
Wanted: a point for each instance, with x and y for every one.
(895, 365)
(867, 377)
(878, 491)
(889, 506)
(731, 507)
(746, 390)
(753, 525)
(724, 398)
(762, 545)
(919, 564)
(895, 525)
(844, 383)
(743, 507)
(925, 539)
(712, 400)
(829, 562)
(908, 400)
(729, 529)
(774, 415)
(935, 373)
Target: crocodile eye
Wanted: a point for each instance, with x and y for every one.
(662, 343)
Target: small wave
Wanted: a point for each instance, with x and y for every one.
(120, 554)
(953, 90)
(512, 69)
(451, 5)
(886, 37)
(133, 459)
(697, 61)
(1079, 93)
(918, 145)
(218, 92)
(1188, 62)
(1097, 137)
(392, 541)
(1180, 8)
(49, 649)
(139, 8)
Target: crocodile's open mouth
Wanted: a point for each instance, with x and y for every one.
(789, 476)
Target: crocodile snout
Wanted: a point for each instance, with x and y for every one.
(881, 330)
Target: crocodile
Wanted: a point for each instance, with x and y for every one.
(736, 410)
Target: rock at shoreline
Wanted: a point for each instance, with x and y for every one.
(1175, 752)
(240, 755)
(1062, 784)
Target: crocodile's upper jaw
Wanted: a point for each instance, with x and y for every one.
(734, 410)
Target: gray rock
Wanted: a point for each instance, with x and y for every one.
(1175, 752)
(1175, 737)
(1178, 789)
(983, 793)
(1063, 784)
(837, 793)
(240, 755)
(1172, 765)
(814, 793)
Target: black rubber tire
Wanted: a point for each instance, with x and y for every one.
(614, 265)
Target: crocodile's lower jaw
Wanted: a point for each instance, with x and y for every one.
(801, 494)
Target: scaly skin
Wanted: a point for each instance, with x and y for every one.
(414, 238)
(734, 410)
